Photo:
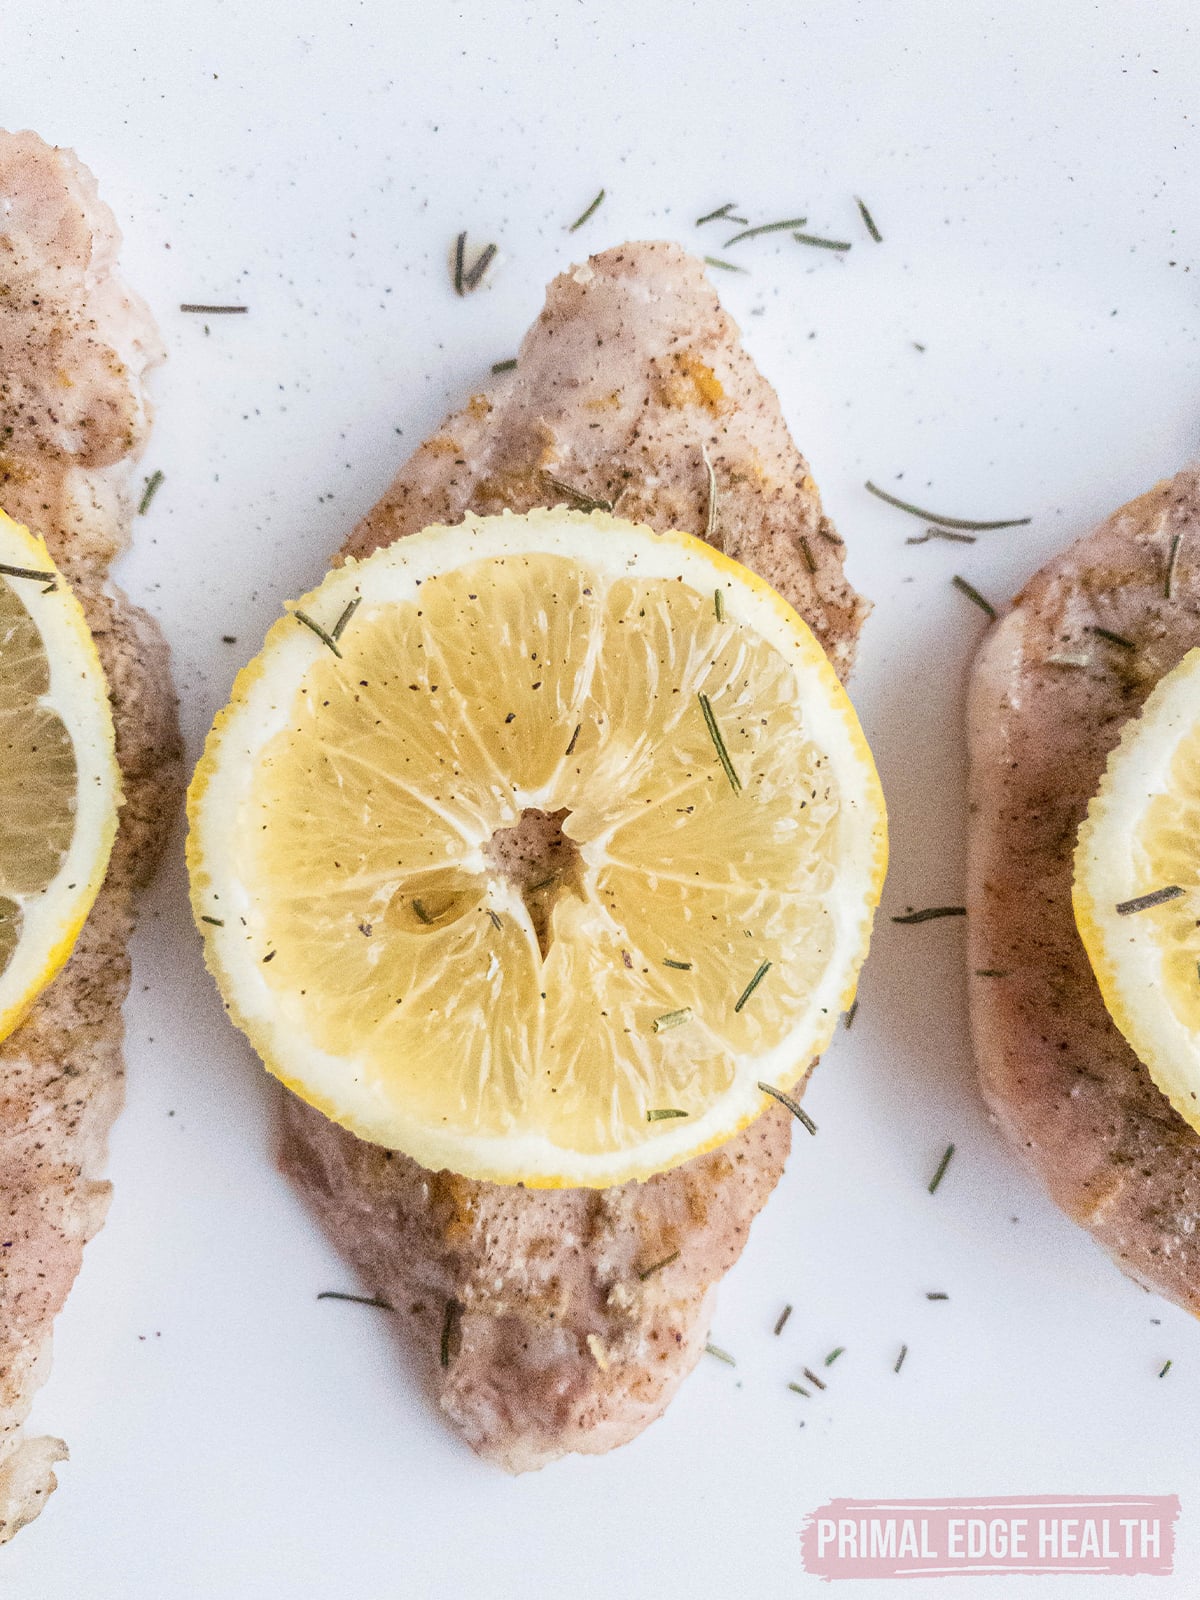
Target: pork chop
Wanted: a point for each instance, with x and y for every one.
(74, 345)
(564, 1320)
(1049, 697)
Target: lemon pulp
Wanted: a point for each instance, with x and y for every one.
(37, 780)
(59, 787)
(547, 856)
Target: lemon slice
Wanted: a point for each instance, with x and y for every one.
(531, 846)
(59, 783)
(1137, 885)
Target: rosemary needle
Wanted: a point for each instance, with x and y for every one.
(931, 913)
(941, 1169)
(216, 311)
(1166, 1367)
(817, 1383)
(664, 1114)
(793, 1106)
(834, 1354)
(154, 481)
(672, 1019)
(725, 266)
(721, 1355)
(822, 244)
(505, 366)
(796, 1389)
(213, 921)
(782, 1319)
(725, 211)
(584, 501)
(339, 626)
(766, 227)
(973, 595)
(868, 220)
(900, 1358)
(356, 1299)
(315, 627)
(714, 733)
(1143, 902)
(763, 968)
(474, 275)
(47, 578)
(590, 212)
(965, 524)
(659, 1265)
(1118, 639)
(941, 533)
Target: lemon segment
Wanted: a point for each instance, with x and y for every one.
(59, 782)
(1141, 837)
(501, 823)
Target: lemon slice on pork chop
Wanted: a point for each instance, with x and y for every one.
(1137, 885)
(532, 846)
(59, 783)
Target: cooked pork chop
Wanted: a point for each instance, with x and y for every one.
(74, 344)
(559, 1320)
(1049, 697)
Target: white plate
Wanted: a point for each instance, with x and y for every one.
(1034, 171)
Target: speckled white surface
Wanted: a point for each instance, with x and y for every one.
(1034, 169)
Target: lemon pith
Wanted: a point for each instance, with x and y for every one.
(1141, 836)
(60, 786)
(485, 874)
